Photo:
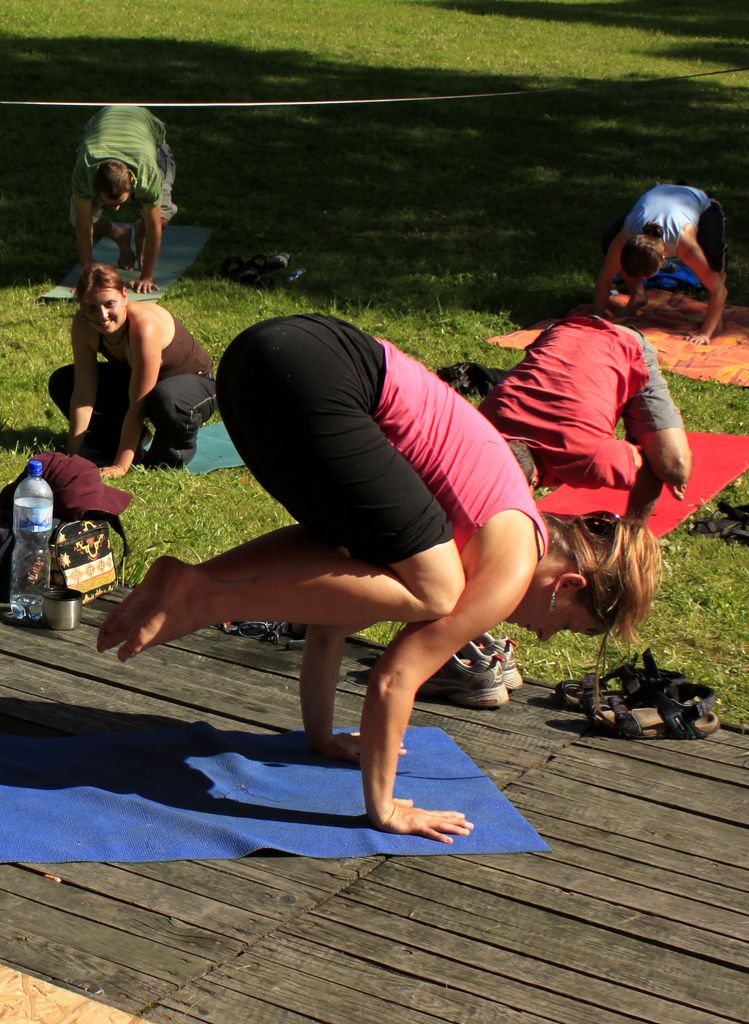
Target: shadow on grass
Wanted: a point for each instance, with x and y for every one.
(691, 18)
(487, 204)
(40, 439)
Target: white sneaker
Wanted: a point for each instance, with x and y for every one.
(470, 679)
(503, 649)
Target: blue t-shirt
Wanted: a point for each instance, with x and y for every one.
(671, 206)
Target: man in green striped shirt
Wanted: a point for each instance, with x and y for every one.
(123, 156)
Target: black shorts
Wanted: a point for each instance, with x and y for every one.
(298, 397)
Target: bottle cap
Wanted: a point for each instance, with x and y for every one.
(35, 467)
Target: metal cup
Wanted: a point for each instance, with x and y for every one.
(61, 607)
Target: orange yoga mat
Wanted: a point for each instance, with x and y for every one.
(665, 320)
(718, 460)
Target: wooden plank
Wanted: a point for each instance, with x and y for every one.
(165, 882)
(548, 887)
(355, 986)
(591, 823)
(199, 895)
(197, 948)
(324, 875)
(78, 970)
(475, 956)
(719, 946)
(249, 702)
(112, 944)
(290, 983)
(542, 929)
(632, 816)
(575, 869)
(58, 702)
(696, 877)
(206, 1002)
(712, 758)
(28, 1000)
(673, 785)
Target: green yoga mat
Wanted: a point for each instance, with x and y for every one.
(179, 248)
(215, 450)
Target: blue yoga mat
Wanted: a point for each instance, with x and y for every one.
(196, 792)
(180, 247)
(672, 275)
(215, 450)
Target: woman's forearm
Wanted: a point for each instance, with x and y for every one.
(130, 435)
(80, 418)
(601, 294)
(714, 311)
(387, 709)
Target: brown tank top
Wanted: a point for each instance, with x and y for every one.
(183, 354)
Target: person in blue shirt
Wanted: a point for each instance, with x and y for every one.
(666, 222)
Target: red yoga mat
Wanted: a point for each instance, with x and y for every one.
(718, 460)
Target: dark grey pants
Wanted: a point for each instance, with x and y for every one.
(177, 407)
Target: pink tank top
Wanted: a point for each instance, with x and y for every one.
(459, 455)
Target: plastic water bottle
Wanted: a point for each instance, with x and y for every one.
(32, 526)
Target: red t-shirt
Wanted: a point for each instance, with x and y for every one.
(565, 398)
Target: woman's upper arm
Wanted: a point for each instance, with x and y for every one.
(145, 360)
(499, 560)
(613, 259)
(690, 252)
(612, 264)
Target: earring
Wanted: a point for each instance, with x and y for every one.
(553, 602)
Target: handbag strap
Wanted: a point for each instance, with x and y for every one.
(116, 523)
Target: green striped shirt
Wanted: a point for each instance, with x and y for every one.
(129, 134)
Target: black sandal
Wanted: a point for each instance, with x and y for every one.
(471, 379)
(637, 685)
(256, 272)
(734, 526)
(682, 711)
(652, 703)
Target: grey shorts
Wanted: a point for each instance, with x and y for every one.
(168, 169)
(168, 207)
(653, 408)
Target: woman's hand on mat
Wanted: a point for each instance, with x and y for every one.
(111, 472)
(144, 285)
(698, 339)
(407, 820)
(636, 304)
(166, 605)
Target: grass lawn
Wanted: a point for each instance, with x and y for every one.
(435, 224)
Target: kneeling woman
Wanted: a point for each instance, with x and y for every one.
(412, 509)
(154, 368)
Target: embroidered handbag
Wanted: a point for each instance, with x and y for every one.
(82, 557)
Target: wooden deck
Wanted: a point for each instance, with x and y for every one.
(639, 914)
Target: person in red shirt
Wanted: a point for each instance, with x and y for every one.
(564, 399)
